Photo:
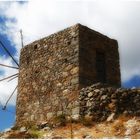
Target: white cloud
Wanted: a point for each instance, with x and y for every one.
(7, 129)
(116, 19)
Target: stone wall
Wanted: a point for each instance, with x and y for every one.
(48, 76)
(92, 42)
(102, 102)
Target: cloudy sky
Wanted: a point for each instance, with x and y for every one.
(115, 18)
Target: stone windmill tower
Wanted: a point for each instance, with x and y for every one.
(54, 69)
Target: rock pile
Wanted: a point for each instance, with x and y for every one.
(102, 102)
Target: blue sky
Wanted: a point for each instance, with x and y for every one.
(5, 39)
(119, 20)
(7, 117)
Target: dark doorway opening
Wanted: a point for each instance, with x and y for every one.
(101, 67)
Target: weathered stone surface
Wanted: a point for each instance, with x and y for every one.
(87, 137)
(22, 129)
(74, 81)
(48, 72)
(111, 117)
(90, 94)
(75, 111)
(96, 90)
(74, 70)
(66, 91)
(65, 74)
(103, 97)
(49, 115)
(75, 117)
(89, 103)
(59, 113)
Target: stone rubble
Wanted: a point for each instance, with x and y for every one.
(131, 126)
(103, 102)
(23, 129)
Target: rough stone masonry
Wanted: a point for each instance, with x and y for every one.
(101, 102)
(54, 69)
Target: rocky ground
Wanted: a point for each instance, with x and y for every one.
(122, 127)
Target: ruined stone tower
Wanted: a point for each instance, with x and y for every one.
(55, 68)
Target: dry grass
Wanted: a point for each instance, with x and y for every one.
(86, 121)
(118, 128)
(115, 129)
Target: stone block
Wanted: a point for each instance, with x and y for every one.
(65, 74)
(75, 111)
(50, 115)
(32, 117)
(59, 113)
(111, 117)
(74, 81)
(66, 91)
(74, 70)
(75, 117)
(90, 94)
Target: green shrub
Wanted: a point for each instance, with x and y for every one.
(30, 125)
(35, 134)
